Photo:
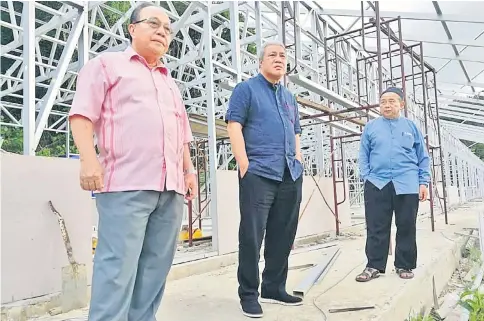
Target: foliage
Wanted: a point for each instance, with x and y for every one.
(478, 149)
(49, 145)
(419, 317)
(473, 301)
(475, 255)
(232, 164)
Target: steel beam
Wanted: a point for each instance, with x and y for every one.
(464, 42)
(463, 84)
(211, 135)
(235, 37)
(457, 58)
(421, 16)
(328, 94)
(449, 36)
(316, 273)
(45, 28)
(28, 111)
(463, 100)
(464, 110)
(58, 77)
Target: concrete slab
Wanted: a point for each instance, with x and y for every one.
(213, 295)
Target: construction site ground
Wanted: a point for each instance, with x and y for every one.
(212, 296)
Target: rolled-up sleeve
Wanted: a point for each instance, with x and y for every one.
(239, 104)
(91, 87)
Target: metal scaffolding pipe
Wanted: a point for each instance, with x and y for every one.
(426, 135)
(441, 151)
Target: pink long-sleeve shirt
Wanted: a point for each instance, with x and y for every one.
(140, 121)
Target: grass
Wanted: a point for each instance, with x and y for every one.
(420, 318)
(473, 301)
(475, 255)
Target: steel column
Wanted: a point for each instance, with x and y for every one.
(235, 37)
(28, 111)
(58, 77)
(212, 138)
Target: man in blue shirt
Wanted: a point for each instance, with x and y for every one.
(394, 165)
(264, 130)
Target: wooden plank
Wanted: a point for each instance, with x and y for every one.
(328, 110)
(198, 124)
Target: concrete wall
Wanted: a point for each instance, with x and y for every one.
(315, 219)
(315, 216)
(33, 251)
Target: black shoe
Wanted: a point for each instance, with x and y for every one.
(283, 299)
(251, 309)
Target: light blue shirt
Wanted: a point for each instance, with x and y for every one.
(394, 150)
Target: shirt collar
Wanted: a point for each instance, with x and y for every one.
(263, 79)
(392, 120)
(130, 52)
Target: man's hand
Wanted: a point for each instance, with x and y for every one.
(243, 167)
(91, 175)
(299, 158)
(191, 186)
(423, 193)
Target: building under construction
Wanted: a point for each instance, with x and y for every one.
(340, 60)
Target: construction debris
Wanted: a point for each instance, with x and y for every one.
(316, 273)
(351, 309)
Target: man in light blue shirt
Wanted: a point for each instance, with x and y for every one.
(394, 164)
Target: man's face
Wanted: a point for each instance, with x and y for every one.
(390, 105)
(152, 32)
(274, 61)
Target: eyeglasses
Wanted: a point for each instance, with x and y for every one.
(155, 24)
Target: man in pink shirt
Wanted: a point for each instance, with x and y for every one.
(133, 106)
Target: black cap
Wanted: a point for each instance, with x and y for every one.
(395, 90)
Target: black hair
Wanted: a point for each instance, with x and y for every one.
(135, 15)
(136, 12)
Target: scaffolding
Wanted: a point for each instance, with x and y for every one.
(334, 72)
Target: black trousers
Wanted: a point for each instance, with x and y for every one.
(272, 207)
(379, 208)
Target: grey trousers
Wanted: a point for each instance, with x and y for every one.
(137, 236)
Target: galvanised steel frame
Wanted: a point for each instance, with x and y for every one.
(207, 65)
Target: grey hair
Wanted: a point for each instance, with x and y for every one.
(267, 44)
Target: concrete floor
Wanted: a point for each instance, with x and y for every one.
(213, 296)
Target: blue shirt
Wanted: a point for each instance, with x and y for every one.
(269, 117)
(394, 150)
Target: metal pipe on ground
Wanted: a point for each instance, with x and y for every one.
(316, 273)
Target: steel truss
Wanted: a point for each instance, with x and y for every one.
(337, 81)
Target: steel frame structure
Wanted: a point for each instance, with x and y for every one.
(457, 59)
(336, 78)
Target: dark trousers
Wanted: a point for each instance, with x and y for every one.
(379, 208)
(273, 207)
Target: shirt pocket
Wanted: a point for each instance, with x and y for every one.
(407, 141)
